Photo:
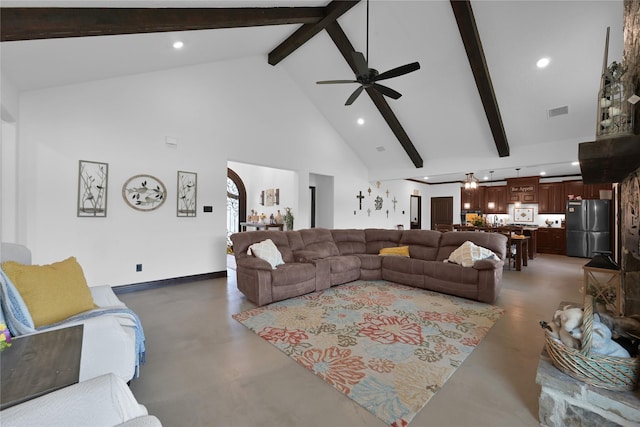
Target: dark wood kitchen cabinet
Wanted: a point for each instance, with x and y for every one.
(551, 198)
(551, 240)
(523, 190)
(498, 196)
(585, 191)
(474, 198)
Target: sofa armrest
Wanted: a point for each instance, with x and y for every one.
(306, 256)
(102, 401)
(254, 263)
(144, 421)
(103, 296)
(488, 264)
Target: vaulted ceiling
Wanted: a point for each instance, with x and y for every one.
(478, 103)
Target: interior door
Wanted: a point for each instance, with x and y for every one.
(415, 212)
(441, 211)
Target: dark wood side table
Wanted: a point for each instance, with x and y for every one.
(258, 226)
(38, 364)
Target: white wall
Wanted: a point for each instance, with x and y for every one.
(259, 178)
(9, 98)
(217, 112)
(8, 179)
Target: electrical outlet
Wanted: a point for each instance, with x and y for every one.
(138, 267)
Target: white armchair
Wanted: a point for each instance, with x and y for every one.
(109, 341)
(104, 401)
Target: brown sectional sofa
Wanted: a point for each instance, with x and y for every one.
(318, 258)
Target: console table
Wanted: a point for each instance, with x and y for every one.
(258, 226)
(38, 364)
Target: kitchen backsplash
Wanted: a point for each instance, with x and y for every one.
(526, 214)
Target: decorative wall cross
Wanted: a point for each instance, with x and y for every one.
(387, 194)
(378, 203)
(360, 197)
(394, 201)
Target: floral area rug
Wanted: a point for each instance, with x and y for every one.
(388, 347)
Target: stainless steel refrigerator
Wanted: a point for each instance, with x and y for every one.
(587, 223)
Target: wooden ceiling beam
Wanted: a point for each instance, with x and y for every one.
(346, 49)
(333, 11)
(32, 23)
(473, 46)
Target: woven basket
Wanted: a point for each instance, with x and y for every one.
(611, 373)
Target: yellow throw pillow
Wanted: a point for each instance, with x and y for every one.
(51, 292)
(396, 251)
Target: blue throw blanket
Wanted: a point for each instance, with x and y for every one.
(140, 340)
(15, 314)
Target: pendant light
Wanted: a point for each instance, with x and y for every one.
(471, 183)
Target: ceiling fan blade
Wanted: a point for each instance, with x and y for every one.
(387, 91)
(361, 63)
(329, 82)
(354, 95)
(398, 71)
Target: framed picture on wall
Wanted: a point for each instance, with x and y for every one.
(187, 193)
(92, 189)
(523, 214)
(144, 192)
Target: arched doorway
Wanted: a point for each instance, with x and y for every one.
(236, 203)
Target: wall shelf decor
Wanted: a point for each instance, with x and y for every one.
(144, 192)
(92, 189)
(186, 194)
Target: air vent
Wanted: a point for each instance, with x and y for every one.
(554, 112)
(380, 148)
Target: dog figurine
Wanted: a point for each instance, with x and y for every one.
(601, 342)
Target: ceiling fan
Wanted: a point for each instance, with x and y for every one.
(368, 77)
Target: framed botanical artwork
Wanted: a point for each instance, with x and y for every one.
(92, 189)
(144, 192)
(187, 193)
(523, 214)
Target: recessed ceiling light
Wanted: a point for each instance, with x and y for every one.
(575, 163)
(178, 45)
(426, 177)
(542, 62)
(543, 173)
(486, 178)
(360, 121)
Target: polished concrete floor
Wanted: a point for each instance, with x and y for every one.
(205, 369)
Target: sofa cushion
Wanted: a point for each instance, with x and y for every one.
(342, 263)
(379, 238)
(468, 253)
(293, 273)
(267, 251)
(242, 241)
(51, 292)
(319, 240)
(451, 240)
(423, 244)
(402, 251)
(350, 241)
(370, 261)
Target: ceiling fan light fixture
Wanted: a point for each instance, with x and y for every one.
(367, 77)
